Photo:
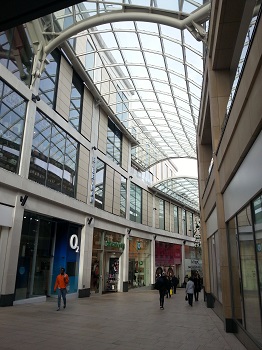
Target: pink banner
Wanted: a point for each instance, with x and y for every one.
(168, 254)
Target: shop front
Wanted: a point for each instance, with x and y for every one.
(46, 245)
(106, 261)
(193, 261)
(168, 256)
(139, 262)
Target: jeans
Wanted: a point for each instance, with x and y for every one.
(190, 298)
(61, 293)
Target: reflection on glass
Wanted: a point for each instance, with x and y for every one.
(135, 203)
(161, 214)
(123, 197)
(114, 143)
(12, 118)
(76, 103)
(249, 273)
(53, 157)
(48, 80)
(100, 184)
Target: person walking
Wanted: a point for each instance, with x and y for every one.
(62, 281)
(197, 283)
(175, 283)
(161, 284)
(190, 290)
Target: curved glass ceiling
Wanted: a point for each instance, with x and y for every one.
(155, 69)
(182, 189)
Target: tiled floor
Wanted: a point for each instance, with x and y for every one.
(122, 321)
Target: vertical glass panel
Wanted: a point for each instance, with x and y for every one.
(135, 203)
(161, 214)
(56, 159)
(123, 197)
(48, 80)
(76, 103)
(40, 149)
(12, 118)
(90, 59)
(237, 300)
(70, 166)
(257, 212)
(100, 184)
(114, 143)
(176, 224)
(249, 273)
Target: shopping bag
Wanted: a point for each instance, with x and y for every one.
(171, 291)
(186, 298)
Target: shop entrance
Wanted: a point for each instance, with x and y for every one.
(46, 245)
(111, 272)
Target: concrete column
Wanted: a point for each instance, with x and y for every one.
(85, 262)
(153, 261)
(11, 244)
(124, 259)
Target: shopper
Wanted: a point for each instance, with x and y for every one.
(190, 290)
(174, 283)
(62, 281)
(161, 285)
(197, 283)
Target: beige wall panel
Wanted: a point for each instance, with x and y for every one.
(117, 186)
(150, 209)
(82, 176)
(144, 208)
(87, 114)
(210, 203)
(125, 151)
(102, 138)
(109, 189)
(167, 216)
(64, 89)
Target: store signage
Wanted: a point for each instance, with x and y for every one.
(259, 247)
(93, 174)
(73, 242)
(138, 245)
(114, 244)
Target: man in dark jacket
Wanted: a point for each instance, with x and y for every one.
(175, 283)
(162, 285)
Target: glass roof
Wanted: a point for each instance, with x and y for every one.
(182, 189)
(159, 71)
(151, 52)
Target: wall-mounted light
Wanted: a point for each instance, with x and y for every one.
(23, 200)
(130, 177)
(129, 231)
(90, 220)
(155, 237)
(35, 98)
(154, 208)
(184, 242)
(94, 148)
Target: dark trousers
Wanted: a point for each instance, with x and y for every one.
(174, 288)
(196, 294)
(190, 298)
(162, 293)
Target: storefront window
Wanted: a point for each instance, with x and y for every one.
(46, 245)
(249, 273)
(257, 209)
(139, 262)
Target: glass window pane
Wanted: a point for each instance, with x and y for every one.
(249, 273)
(12, 118)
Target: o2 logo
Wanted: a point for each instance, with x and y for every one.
(74, 243)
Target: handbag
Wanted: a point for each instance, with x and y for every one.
(186, 298)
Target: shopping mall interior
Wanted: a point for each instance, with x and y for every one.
(130, 139)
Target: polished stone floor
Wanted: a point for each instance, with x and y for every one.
(122, 321)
